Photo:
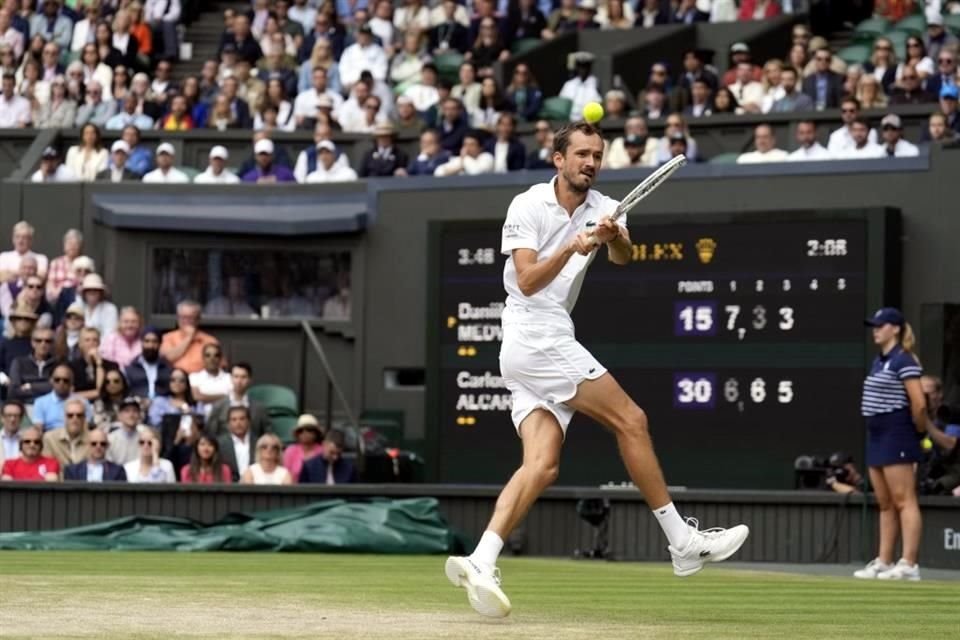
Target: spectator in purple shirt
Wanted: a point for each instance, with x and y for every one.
(267, 170)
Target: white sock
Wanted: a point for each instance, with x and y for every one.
(676, 530)
(488, 549)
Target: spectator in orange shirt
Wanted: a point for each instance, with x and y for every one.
(140, 29)
(183, 347)
(31, 466)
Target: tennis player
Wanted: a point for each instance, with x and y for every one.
(551, 236)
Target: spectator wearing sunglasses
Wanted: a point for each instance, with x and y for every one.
(824, 86)
(841, 140)
(32, 297)
(49, 409)
(267, 470)
(29, 375)
(96, 468)
(68, 444)
(31, 466)
(909, 90)
(149, 466)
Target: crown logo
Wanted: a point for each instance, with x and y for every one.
(706, 248)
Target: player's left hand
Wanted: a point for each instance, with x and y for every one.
(606, 230)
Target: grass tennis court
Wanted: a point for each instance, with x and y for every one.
(246, 595)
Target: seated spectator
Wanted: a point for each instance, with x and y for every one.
(653, 102)
(88, 158)
(60, 272)
(22, 240)
(652, 12)
(676, 124)
(51, 170)
(149, 466)
(30, 466)
(724, 102)
(617, 14)
(467, 90)
(523, 93)
(792, 100)
(267, 469)
(59, 111)
(371, 117)
(106, 408)
(95, 110)
(796, 58)
(740, 54)
(431, 155)
(67, 444)
(149, 103)
(66, 342)
(15, 111)
(48, 409)
(95, 69)
(141, 31)
(321, 57)
(183, 347)
(242, 40)
(615, 103)
(453, 125)
(364, 54)
(384, 159)
(337, 306)
(424, 93)
(178, 118)
(473, 160)
(163, 16)
(894, 145)
(582, 88)
(241, 378)
(309, 101)
(841, 140)
(98, 312)
(172, 394)
(938, 131)
(861, 146)
(69, 294)
(140, 159)
(124, 41)
(29, 374)
(90, 369)
(937, 39)
(330, 467)
(809, 148)
(166, 173)
(211, 384)
(946, 72)
(125, 434)
(195, 106)
(31, 298)
(852, 80)
(687, 12)
(635, 148)
(118, 171)
(508, 153)
(96, 467)
(448, 34)
(308, 435)
(220, 116)
(12, 417)
(561, 20)
(10, 290)
(701, 100)
(138, 353)
(206, 465)
(489, 47)
(765, 144)
(492, 104)
(773, 91)
(407, 64)
(239, 108)
(232, 303)
(909, 91)
(276, 99)
(237, 447)
(748, 92)
(870, 93)
(948, 107)
(542, 156)
(414, 14)
(216, 172)
(824, 86)
(18, 343)
(758, 9)
(676, 146)
(882, 65)
(267, 171)
(406, 121)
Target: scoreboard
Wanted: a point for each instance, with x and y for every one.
(741, 335)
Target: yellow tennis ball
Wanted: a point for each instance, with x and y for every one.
(593, 112)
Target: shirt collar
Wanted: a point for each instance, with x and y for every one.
(551, 199)
(897, 349)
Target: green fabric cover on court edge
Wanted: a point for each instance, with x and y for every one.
(372, 526)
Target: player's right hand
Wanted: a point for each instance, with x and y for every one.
(583, 243)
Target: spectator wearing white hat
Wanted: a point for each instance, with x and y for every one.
(166, 173)
(69, 294)
(216, 172)
(266, 170)
(327, 168)
(894, 146)
(98, 312)
(118, 172)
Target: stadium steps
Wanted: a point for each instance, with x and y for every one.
(205, 34)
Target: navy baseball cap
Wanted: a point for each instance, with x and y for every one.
(886, 315)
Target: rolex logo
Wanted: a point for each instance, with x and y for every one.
(706, 247)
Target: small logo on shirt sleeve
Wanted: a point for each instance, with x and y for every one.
(511, 230)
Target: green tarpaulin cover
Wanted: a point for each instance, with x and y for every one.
(371, 526)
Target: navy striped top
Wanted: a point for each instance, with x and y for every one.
(883, 390)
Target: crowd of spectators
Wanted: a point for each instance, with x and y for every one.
(91, 393)
(382, 68)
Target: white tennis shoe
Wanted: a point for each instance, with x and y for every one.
(482, 583)
(903, 570)
(711, 545)
(873, 569)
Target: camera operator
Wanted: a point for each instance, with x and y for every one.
(842, 475)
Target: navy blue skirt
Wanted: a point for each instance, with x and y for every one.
(892, 439)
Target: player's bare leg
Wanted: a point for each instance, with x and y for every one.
(542, 440)
(605, 401)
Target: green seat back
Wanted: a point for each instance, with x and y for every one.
(523, 45)
(556, 108)
(283, 426)
(725, 158)
(871, 28)
(278, 399)
(855, 53)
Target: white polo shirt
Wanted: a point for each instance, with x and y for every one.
(535, 220)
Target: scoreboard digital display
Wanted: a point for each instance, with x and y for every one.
(741, 336)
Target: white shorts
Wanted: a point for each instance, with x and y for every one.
(542, 367)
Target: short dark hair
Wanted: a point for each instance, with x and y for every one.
(861, 120)
(335, 436)
(238, 408)
(807, 121)
(243, 365)
(15, 403)
(850, 99)
(790, 68)
(561, 138)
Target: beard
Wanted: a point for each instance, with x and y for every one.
(151, 355)
(578, 182)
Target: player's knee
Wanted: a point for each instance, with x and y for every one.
(545, 472)
(884, 503)
(633, 421)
